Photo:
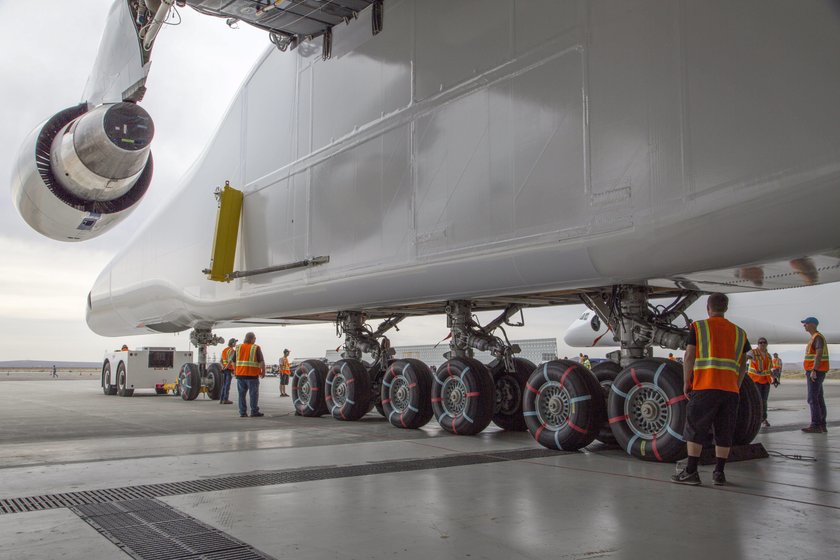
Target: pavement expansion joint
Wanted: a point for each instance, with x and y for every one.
(143, 493)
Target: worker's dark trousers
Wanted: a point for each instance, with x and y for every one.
(816, 399)
(225, 393)
(764, 391)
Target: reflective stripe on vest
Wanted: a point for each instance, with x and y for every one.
(811, 355)
(760, 367)
(246, 361)
(226, 363)
(720, 344)
(777, 363)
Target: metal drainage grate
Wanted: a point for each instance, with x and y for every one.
(143, 493)
(153, 530)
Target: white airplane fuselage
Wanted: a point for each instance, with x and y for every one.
(535, 148)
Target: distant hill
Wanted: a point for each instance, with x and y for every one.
(41, 364)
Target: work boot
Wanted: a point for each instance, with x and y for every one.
(765, 424)
(813, 430)
(823, 429)
(256, 414)
(718, 478)
(683, 477)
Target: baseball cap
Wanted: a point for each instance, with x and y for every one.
(810, 320)
(232, 341)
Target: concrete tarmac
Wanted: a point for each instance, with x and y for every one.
(283, 486)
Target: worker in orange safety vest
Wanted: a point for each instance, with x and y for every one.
(713, 368)
(228, 367)
(250, 368)
(816, 366)
(760, 371)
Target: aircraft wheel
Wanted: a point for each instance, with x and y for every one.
(122, 382)
(463, 395)
(308, 388)
(562, 405)
(748, 422)
(189, 382)
(214, 381)
(510, 387)
(647, 410)
(605, 373)
(407, 394)
(107, 387)
(348, 390)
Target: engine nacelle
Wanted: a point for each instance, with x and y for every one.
(82, 171)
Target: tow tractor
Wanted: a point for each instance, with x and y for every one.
(165, 370)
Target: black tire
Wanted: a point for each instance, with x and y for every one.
(510, 388)
(122, 381)
(407, 394)
(189, 382)
(107, 387)
(463, 395)
(214, 381)
(748, 422)
(605, 373)
(647, 410)
(308, 382)
(347, 390)
(562, 405)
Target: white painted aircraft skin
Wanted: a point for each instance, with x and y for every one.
(775, 315)
(545, 146)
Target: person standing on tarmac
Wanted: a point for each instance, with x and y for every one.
(713, 369)
(228, 367)
(777, 370)
(760, 371)
(816, 366)
(285, 372)
(250, 367)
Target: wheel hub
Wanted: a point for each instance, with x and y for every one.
(453, 397)
(647, 410)
(400, 394)
(508, 395)
(339, 390)
(304, 389)
(553, 405)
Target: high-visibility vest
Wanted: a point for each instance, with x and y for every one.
(285, 366)
(226, 358)
(246, 361)
(720, 344)
(810, 354)
(777, 364)
(760, 365)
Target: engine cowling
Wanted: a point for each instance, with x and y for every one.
(83, 171)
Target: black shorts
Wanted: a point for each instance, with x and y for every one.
(284, 379)
(711, 408)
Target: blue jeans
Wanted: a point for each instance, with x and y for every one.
(816, 399)
(764, 391)
(225, 394)
(248, 385)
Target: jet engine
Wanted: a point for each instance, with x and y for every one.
(84, 170)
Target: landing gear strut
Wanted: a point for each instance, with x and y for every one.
(465, 395)
(352, 389)
(210, 377)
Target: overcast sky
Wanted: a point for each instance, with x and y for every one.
(197, 67)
